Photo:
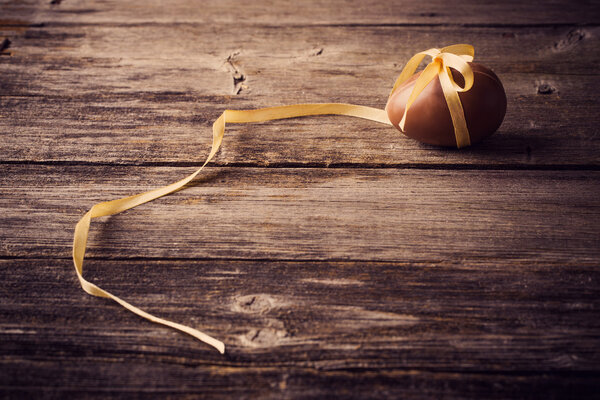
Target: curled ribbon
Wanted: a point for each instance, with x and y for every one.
(448, 57)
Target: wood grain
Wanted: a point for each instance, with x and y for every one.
(334, 257)
(311, 12)
(128, 104)
(414, 329)
(313, 213)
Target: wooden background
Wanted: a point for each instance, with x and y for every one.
(333, 256)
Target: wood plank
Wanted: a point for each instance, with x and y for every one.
(213, 12)
(71, 94)
(402, 271)
(313, 213)
(427, 305)
(466, 329)
(133, 378)
(149, 52)
(150, 128)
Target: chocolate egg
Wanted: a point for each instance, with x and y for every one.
(428, 119)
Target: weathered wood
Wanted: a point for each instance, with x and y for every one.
(313, 213)
(175, 128)
(401, 271)
(549, 306)
(152, 58)
(130, 377)
(126, 103)
(241, 13)
(287, 324)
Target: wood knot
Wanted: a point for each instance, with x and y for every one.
(316, 52)
(4, 44)
(545, 88)
(267, 337)
(571, 39)
(253, 304)
(236, 72)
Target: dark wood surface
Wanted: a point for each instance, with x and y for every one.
(333, 256)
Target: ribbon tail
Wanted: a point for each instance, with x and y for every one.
(457, 113)
(119, 205)
(408, 70)
(113, 207)
(422, 81)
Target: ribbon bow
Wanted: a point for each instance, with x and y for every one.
(456, 57)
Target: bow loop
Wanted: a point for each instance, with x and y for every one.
(463, 50)
(459, 64)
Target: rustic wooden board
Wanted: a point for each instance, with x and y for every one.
(334, 257)
(458, 329)
(75, 97)
(175, 128)
(312, 213)
(312, 12)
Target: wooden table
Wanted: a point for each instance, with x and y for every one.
(333, 256)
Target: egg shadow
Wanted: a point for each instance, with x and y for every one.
(505, 147)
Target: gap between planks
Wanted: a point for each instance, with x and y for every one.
(298, 165)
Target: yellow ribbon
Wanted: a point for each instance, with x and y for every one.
(442, 60)
(455, 56)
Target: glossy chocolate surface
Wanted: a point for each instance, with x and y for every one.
(428, 119)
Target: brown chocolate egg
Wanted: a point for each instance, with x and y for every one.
(428, 119)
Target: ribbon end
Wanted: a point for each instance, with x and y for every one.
(402, 122)
(221, 348)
